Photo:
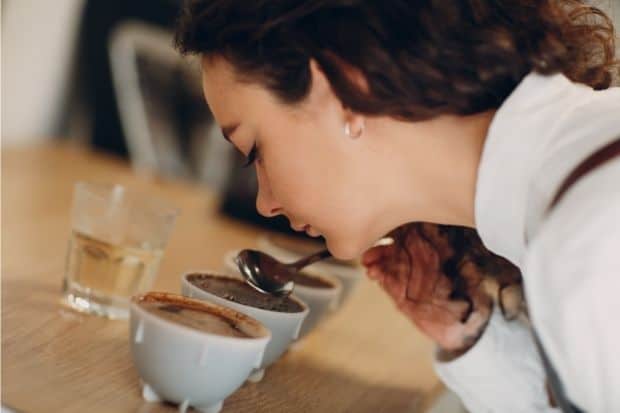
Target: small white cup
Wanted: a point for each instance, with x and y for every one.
(321, 301)
(348, 274)
(188, 366)
(284, 326)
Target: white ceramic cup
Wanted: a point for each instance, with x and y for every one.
(284, 326)
(348, 274)
(321, 301)
(188, 366)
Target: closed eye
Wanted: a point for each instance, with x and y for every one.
(251, 156)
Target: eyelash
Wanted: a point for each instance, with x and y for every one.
(252, 156)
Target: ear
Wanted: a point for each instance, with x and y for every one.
(321, 94)
(321, 83)
(320, 88)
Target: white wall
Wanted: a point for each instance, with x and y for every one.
(38, 39)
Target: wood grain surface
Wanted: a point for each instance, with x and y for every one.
(365, 358)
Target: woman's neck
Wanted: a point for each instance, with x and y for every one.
(440, 159)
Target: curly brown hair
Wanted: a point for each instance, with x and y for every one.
(420, 59)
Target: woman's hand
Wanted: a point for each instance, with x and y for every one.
(452, 309)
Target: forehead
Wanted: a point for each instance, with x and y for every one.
(229, 97)
(217, 74)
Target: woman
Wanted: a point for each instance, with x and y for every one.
(363, 116)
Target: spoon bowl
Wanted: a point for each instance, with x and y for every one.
(270, 276)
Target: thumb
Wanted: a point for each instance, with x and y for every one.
(374, 255)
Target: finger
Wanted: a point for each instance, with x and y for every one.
(440, 241)
(472, 275)
(374, 272)
(443, 288)
(424, 269)
(401, 270)
(374, 255)
(481, 299)
(440, 313)
(395, 288)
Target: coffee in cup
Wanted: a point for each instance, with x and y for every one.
(240, 292)
(190, 314)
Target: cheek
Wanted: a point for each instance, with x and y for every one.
(354, 214)
(305, 174)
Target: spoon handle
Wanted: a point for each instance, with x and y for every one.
(321, 255)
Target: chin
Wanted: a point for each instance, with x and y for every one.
(344, 248)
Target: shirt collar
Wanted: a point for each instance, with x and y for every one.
(511, 155)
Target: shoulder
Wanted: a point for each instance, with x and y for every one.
(572, 276)
(574, 255)
(584, 226)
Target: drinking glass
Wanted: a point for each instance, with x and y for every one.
(115, 247)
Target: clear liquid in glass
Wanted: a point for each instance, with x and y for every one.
(102, 276)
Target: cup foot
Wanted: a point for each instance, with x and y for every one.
(256, 376)
(149, 394)
(214, 408)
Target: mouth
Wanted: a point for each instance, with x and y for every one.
(311, 231)
(307, 229)
(298, 227)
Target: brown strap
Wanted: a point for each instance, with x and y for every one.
(606, 153)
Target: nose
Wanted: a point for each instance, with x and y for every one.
(266, 204)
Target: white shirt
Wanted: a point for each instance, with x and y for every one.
(571, 264)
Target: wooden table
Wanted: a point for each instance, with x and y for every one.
(366, 358)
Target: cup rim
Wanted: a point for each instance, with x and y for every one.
(259, 310)
(162, 207)
(265, 333)
(336, 285)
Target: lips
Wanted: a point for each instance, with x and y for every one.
(308, 229)
(312, 232)
(300, 228)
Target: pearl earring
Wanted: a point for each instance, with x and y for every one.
(350, 134)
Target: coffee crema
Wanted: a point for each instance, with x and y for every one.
(191, 314)
(239, 292)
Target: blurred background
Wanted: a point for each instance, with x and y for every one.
(103, 73)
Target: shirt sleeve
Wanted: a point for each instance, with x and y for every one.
(573, 289)
(502, 372)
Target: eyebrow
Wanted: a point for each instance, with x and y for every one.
(227, 131)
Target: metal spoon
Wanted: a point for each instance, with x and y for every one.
(270, 276)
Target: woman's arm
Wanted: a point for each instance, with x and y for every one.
(502, 372)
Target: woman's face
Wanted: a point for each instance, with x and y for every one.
(308, 169)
